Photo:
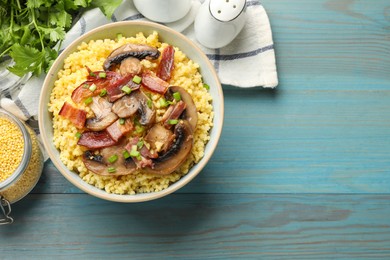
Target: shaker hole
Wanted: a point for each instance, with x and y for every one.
(219, 11)
(234, 6)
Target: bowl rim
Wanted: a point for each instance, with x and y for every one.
(72, 176)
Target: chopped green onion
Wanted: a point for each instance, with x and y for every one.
(149, 103)
(163, 102)
(126, 154)
(140, 144)
(88, 101)
(85, 85)
(121, 121)
(119, 36)
(137, 79)
(139, 129)
(92, 74)
(206, 86)
(103, 92)
(113, 158)
(126, 89)
(176, 96)
(111, 169)
(173, 121)
(134, 153)
(92, 87)
(102, 75)
(78, 134)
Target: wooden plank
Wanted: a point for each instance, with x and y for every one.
(296, 139)
(325, 128)
(331, 41)
(196, 226)
(293, 141)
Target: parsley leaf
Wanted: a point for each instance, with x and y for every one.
(29, 29)
(107, 7)
(62, 19)
(27, 59)
(35, 3)
(55, 34)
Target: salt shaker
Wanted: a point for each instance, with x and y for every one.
(218, 22)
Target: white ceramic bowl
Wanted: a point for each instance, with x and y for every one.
(127, 29)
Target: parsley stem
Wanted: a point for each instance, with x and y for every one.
(12, 19)
(6, 50)
(37, 27)
(18, 3)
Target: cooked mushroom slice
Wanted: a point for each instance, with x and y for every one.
(126, 106)
(130, 66)
(159, 138)
(190, 114)
(146, 110)
(104, 163)
(169, 161)
(103, 115)
(137, 101)
(138, 51)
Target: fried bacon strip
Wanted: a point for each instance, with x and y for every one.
(154, 83)
(119, 129)
(95, 140)
(111, 81)
(144, 158)
(75, 115)
(166, 65)
(173, 113)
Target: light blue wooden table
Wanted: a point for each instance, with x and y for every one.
(301, 172)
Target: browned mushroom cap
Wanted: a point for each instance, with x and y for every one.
(190, 114)
(136, 101)
(99, 163)
(103, 115)
(159, 138)
(126, 106)
(139, 51)
(177, 153)
(130, 66)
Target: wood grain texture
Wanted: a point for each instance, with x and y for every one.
(294, 141)
(198, 226)
(342, 43)
(301, 172)
(326, 128)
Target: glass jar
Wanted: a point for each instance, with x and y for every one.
(21, 162)
(9, 82)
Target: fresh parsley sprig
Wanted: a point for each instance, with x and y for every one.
(29, 29)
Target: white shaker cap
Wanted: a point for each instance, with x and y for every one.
(226, 10)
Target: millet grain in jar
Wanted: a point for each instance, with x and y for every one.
(11, 148)
(21, 160)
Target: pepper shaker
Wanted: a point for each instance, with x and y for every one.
(218, 22)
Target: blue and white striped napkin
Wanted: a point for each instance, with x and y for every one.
(249, 61)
